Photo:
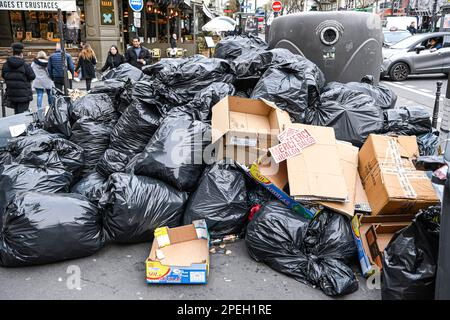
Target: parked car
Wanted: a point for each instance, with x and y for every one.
(415, 55)
(391, 37)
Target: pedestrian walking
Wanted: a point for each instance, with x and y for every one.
(56, 70)
(18, 76)
(42, 83)
(114, 59)
(86, 62)
(137, 55)
(173, 45)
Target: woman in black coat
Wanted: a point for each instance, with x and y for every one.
(86, 62)
(114, 59)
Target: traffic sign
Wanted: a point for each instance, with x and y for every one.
(277, 6)
(136, 5)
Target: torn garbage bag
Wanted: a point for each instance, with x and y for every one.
(92, 186)
(352, 114)
(135, 206)
(410, 259)
(57, 119)
(112, 161)
(220, 199)
(93, 137)
(98, 107)
(34, 170)
(41, 228)
(232, 47)
(124, 72)
(175, 152)
(310, 252)
(410, 120)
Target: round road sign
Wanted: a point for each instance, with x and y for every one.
(277, 6)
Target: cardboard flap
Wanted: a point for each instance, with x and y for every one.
(183, 254)
(317, 171)
(182, 234)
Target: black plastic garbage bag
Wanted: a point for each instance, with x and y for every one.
(134, 129)
(112, 161)
(220, 199)
(410, 259)
(428, 143)
(41, 228)
(232, 47)
(410, 120)
(124, 72)
(353, 115)
(98, 107)
(310, 252)
(115, 89)
(285, 87)
(175, 152)
(92, 186)
(429, 163)
(34, 170)
(144, 91)
(70, 154)
(135, 206)
(57, 119)
(93, 137)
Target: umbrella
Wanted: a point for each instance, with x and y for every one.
(220, 24)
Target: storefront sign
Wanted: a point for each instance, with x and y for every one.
(136, 5)
(39, 5)
(106, 12)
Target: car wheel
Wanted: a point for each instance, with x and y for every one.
(399, 71)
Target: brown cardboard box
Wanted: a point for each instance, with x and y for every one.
(246, 123)
(391, 182)
(316, 174)
(179, 255)
(349, 160)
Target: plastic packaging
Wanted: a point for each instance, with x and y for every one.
(175, 152)
(57, 119)
(220, 199)
(41, 228)
(410, 120)
(428, 143)
(313, 252)
(353, 115)
(135, 206)
(92, 186)
(232, 47)
(124, 72)
(410, 259)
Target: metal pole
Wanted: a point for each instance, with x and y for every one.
(436, 104)
(63, 52)
(2, 90)
(193, 27)
(433, 16)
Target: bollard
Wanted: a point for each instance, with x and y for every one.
(2, 92)
(436, 104)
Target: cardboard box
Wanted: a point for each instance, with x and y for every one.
(316, 174)
(348, 155)
(179, 255)
(247, 126)
(391, 182)
(373, 236)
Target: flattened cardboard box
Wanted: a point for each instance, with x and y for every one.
(316, 174)
(179, 255)
(391, 182)
(248, 126)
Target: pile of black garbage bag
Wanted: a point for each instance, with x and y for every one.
(129, 157)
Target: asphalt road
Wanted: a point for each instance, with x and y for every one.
(118, 272)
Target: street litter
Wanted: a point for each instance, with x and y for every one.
(192, 154)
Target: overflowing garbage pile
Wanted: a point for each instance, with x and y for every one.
(129, 157)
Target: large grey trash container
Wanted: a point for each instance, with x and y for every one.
(9, 125)
(345, 45)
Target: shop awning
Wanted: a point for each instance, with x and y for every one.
(208, 12)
